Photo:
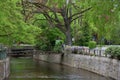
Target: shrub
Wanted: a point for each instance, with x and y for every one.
(114, 52)
(41, 46)
(92, 44)
(58, 46)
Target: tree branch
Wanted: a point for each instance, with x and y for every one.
(45, 8)
(39, 5)
(76, 18)
(79, 12)
(37, 20)
(61, 27)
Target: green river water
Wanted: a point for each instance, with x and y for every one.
(29, 69)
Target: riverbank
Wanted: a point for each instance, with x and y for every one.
(100, 65)
(4, 68)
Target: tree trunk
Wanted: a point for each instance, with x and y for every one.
(68, 37)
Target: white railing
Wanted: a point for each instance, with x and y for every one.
(85, 51)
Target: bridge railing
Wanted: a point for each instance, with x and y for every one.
(3, 52)
(21, 51)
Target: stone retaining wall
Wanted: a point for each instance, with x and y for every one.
(4, 68)
(100, 65)
(55, 58)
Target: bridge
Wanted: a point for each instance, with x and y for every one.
(21, 51)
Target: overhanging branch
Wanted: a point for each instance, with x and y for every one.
(76, 18)
(45, 8)
(79, 13)
(37, 20)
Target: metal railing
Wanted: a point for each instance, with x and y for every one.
(86, 51)
(3, 52)
(93, 52)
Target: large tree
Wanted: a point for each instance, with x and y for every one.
(59, 13)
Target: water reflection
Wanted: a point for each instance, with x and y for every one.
(28, 69)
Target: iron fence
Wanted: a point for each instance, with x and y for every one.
(86, 51)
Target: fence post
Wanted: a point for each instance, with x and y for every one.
(100, 52)
(89, 51)
(94, 52)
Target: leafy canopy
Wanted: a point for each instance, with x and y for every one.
(12, 27)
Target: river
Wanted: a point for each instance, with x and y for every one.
(29, 69)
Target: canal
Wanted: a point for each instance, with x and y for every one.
(29, 69)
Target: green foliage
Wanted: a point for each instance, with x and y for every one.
(42, 45)
(103, 18)
(114, 52)
(46, 39)
(13, 29)
(61, 14)
(84, 36)
(58, 45)
(92, 44)
(115, 35)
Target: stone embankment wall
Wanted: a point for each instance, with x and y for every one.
(54, 58)
(4, 68)
(100, 65)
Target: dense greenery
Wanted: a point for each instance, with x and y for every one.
(58, 13)
(47, 38)
(13, 29)
(42, 23)
(104, 20)
(58, 46)
(114, 52)
(83, 36)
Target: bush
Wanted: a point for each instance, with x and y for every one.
(58, 46)
(92, 44)
(114, 52)
(41, 46)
